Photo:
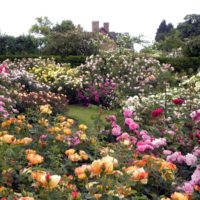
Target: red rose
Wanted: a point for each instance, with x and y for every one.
(74, 194)
(157, 112)
(178, 101)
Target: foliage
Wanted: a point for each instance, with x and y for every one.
(182, 64)
(163, 30)
(192, 47)
(190, 27)
(70, 43)
(18, 45)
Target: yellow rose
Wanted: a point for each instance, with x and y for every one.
(83, 136)
(70, 121)
(54, 181)
(9, 139)
(61, 118)
(46, 109)
(82, 127)
(43, 122)
(21, 117)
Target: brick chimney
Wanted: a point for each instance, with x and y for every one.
(95, 26)
(106, 26)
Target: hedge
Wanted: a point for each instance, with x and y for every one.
(73, 60)
(182, 64)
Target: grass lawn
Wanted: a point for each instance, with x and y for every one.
(87, 115)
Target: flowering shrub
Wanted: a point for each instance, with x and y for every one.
(33, 99)
(149, 151)
(129, 75)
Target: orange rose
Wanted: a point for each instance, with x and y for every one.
(83, 155)
(80, 172)
(34, 159)
(179, 196)
(74, 157)
(96, 167)
(69, 152)
(25, 141)
(67, 131)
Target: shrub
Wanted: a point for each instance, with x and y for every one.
(182, 64)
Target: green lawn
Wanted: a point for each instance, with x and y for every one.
(87, 115)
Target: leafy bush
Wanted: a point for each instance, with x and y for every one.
(182, 64)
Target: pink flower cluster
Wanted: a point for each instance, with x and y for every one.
(177, 157)
(127, 137)
(188, 187)
(195, 115)
(132, 125)
(149, 143)
(127, 112)
(4, 68)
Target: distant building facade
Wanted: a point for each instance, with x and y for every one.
(104, 30)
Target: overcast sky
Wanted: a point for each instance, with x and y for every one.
(133, 16)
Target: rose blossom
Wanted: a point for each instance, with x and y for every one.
(167, 152)
(128, 121)
(127, 112)
(159, 142)
(157, 112)
(116, 130)
(195, 115)
(178, 101)
(190, 159)
(133, 126)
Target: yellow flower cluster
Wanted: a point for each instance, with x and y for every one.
(73, 156)
(48, 72)
(45, 109)
(105, 165)
(61, 128)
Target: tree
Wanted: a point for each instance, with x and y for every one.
(65, 26)
(192, 47)
(42, 27)
(163, 30)
(190, 27)
(70, 43)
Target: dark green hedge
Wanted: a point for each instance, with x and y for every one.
(73, 60)
(182, 64)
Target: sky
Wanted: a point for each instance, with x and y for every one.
(133, 16)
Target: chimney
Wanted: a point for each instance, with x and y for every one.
(95, 26)
(106, 26)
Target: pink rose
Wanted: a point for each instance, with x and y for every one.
(127, 112)
(133, 126)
